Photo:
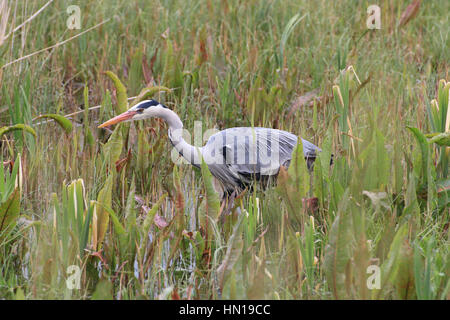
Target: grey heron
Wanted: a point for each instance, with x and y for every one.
(236, 156)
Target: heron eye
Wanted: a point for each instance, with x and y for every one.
(140, 111)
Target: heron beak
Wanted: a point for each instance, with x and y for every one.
(120, 118)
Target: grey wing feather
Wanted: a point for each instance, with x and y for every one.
(246, 151)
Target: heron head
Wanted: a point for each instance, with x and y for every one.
(143, 110)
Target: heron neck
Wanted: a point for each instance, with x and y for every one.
(175, 132)
(172, 119)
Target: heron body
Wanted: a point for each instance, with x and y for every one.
(235, 156)
(247, 154)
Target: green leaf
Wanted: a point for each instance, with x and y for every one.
(443, 95)
(390, 267)
(63, 122)
(113, 148)
(89, 138)
(298, 171)
(307, 249)
(10, 181)
(423, 269)
(19, 294)
(85, 230)
(292, 23)
(23, 127)
(212, 198)
(442, 139)
(120, 230)
(101, 216)
(9, 213)
(151, 214)
(234, 249)
(338, 250)
(121, 92)
(404, 282)
(411, 203)
(103, 290)
(424, 148)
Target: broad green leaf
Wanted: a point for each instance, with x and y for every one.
(404, 282)
(88, 136)
(443, 97)
(424, 148)
(411, 203)
(121, 92)
(20, 294)
(234, 250)
(288, 190)
(101, 216)
(307, 249)
(338, 250)
(63, 122)
(390, 267)
(128, 249)
(423, 266)
(212, 198)
(24, 127)
(76, 199)
(119, 229)
(103, 290)
(9, 212)
(442, 139)
(298, 171)
(11, 181)
(85, 231)
(151, 214)
(113, 148)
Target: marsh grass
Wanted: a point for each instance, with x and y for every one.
(114, 204)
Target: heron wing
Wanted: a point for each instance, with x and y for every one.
(250, 151)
